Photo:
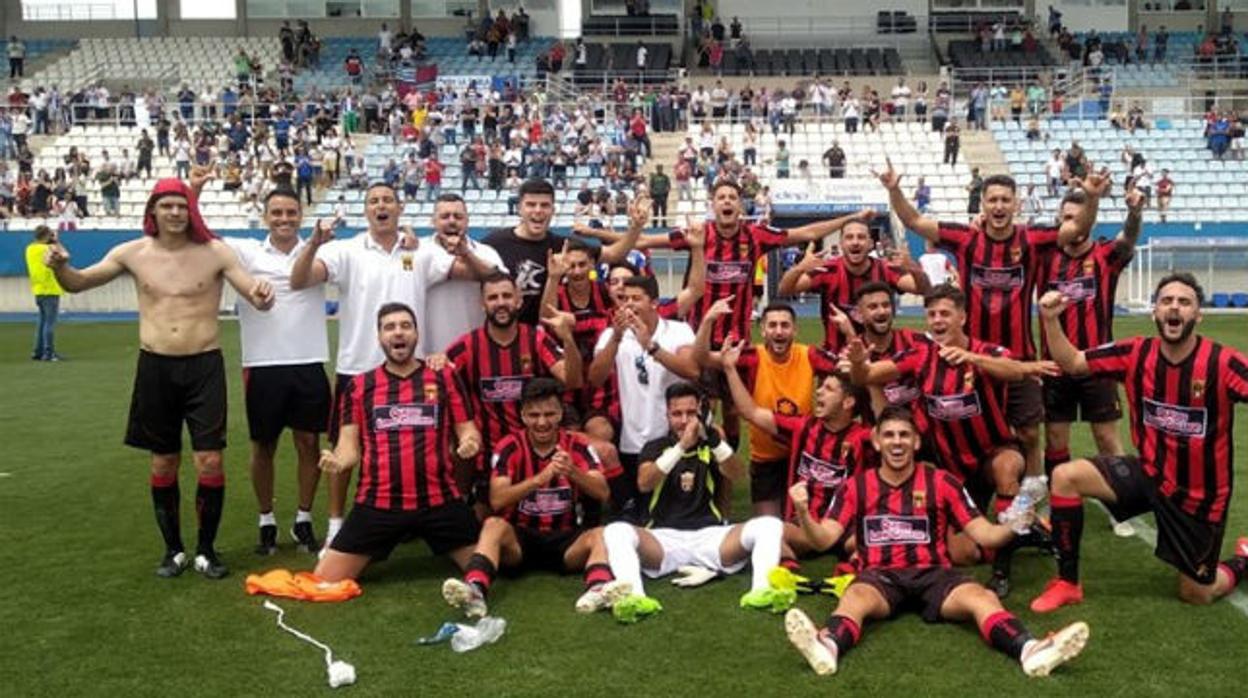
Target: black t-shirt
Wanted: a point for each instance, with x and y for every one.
(685, 499)
(526, 260)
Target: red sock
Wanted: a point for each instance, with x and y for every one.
(596, 574)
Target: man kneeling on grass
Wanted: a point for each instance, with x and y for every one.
(684, 530)
(899, 513)
(539, 480)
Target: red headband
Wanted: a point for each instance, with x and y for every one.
(196, 229)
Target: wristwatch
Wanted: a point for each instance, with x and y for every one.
(653, 348)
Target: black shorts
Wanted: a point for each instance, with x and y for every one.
(342, 383)
(924, 589)
(1024, 403)
(769, 480)
(374, 532)
(286, 396)
(1069, 397)
(545, 551)
(170, 390)
(1187, 543)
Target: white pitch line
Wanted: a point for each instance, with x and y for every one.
(1146, 533)
(6, 474)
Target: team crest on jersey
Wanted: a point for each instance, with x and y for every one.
(407, 261)
(431, 392)
(1089, 265)
(786, 407)
(968, 380)
(743, 247)
(1198, 388)
(1016, 254)
(526, 364)
(686, 481)
(919, 498)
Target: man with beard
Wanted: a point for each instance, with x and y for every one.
(779, 374)
(962, 381)
(823, 448)
(397, 423)
(901, 538)
(1086, 272)
(496, 360)
(284, 353)
(733, 247)
(370, 269)
(178, 266)
(1182, 389)
(877, 311)
(838, 279)
(524, 247)
(453, 306)
(539, 480)
(998, 265)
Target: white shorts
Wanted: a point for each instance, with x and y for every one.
(699, 547)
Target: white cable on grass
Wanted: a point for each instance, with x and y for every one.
(340, 673)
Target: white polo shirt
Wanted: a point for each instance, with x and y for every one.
(290, 333)
(452, 306)
(642, 406)
(367, 277)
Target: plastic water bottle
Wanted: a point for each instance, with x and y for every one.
(445, 632)
(1014, 514)
(487, 631)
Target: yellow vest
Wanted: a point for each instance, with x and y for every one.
(42, 280)
(786, 388)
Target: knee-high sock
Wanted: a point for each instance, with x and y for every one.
(762, 536)
(209, 501)
(166, 501)
(621, 540)
(1067, 530)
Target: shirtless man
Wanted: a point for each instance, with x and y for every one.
(178, 267)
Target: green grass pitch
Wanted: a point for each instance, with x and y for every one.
(83, 613)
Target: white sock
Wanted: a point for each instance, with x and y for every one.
(303, 515)
(621, 541)
(762, 536)
(267, 519)
(335, 524)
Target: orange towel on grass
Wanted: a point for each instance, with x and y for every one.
(303, 586)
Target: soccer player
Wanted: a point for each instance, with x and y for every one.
(495, 361)
(877, 311)
(1086, 272)
(370, 269)
(178, 266)
(539, 480)
(962, 381)
(838, 279)
(523, 248)
(780, 376)
(398, 422)
(647, 354)
(998, 265)
(900, 514)
(453, 305)
(1182, 389)
(284, 353)
(682, 526)
(824, 447)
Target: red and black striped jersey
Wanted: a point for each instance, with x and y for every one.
(1091, 284)
(406, 427)
(822, 458)
(902, 526)
(1182, 416)
(730, 272)
(838, 286)
(495, 374)
(963, 406)
(591, 319)
(903, 391)
(999, 278)
(549, 509)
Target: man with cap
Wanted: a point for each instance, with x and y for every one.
(178, 267)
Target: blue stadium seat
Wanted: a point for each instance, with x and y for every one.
(1221, 300)
(1239, 300)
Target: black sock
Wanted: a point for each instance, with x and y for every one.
(1005, 633)
(1003, 556)
(844, 632)
(167, 500)
(1052, 459)
(480, 573)
(209, 501)
(1067, 530)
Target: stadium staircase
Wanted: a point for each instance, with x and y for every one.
(980, 149)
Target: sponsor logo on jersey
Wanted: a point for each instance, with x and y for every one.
(997, 278)
(951, 408)
(502, 388)
(1077, 290)
(1177, 420)
(546, 501)
(901, 393)
(891, 529)
(728, 272)
(408, 416)
(814, 469)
